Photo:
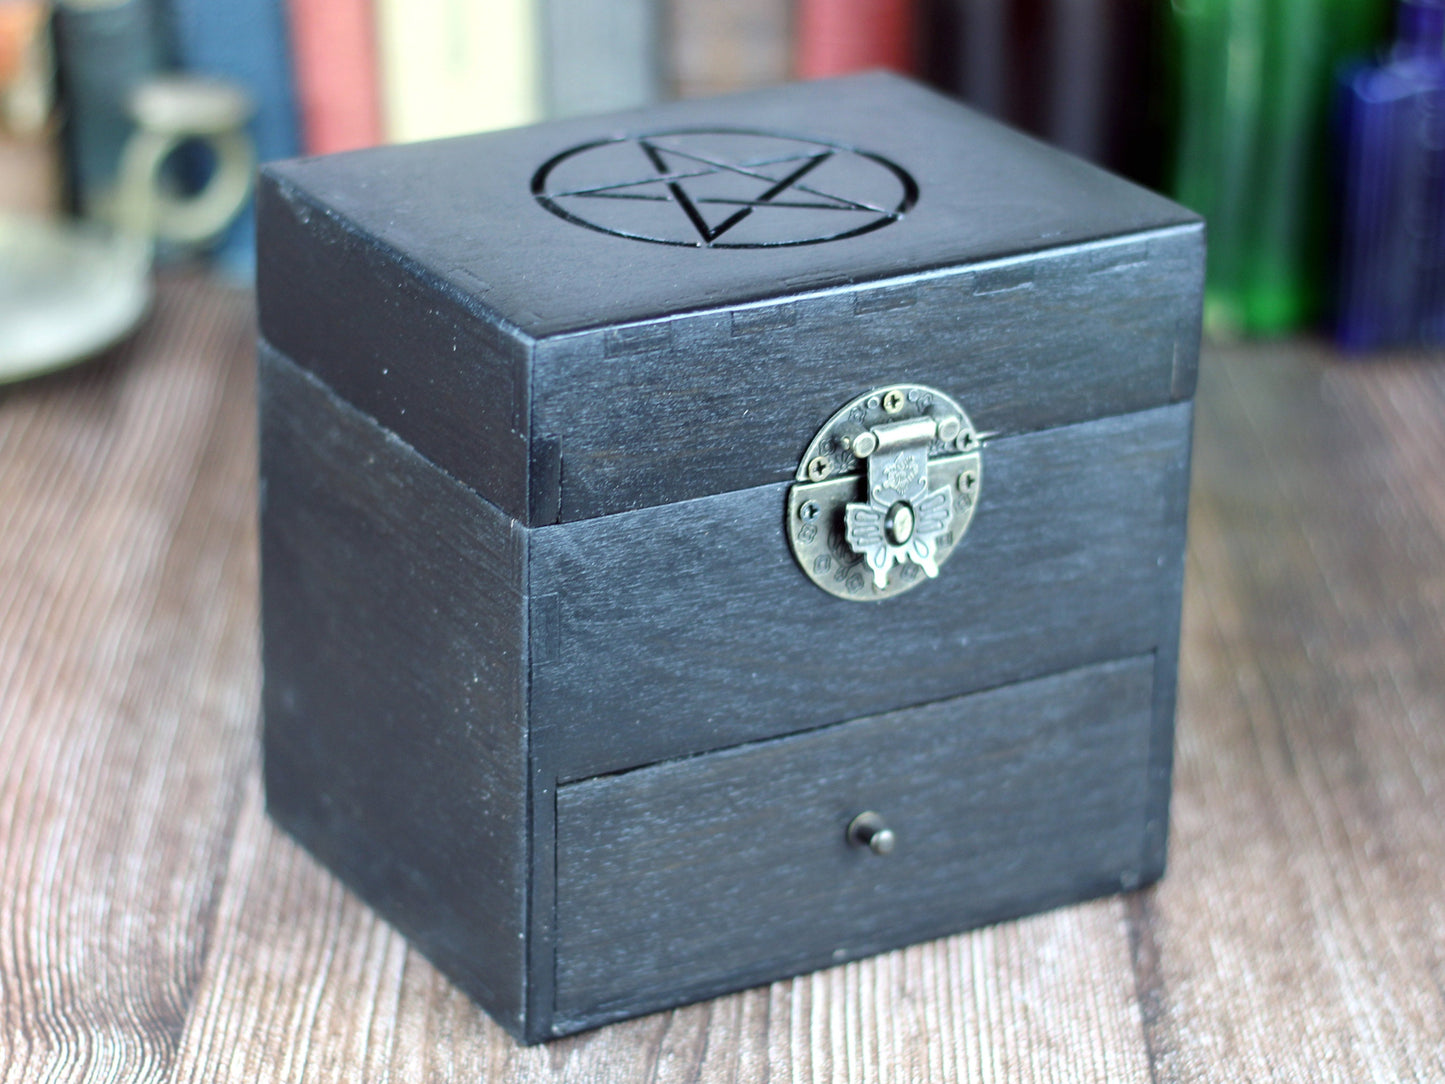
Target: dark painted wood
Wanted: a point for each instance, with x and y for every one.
(428, 287)
(543, 643)
(689, 878)
(690, 627)
(1112, 328)
(394, 735)
(158, 927)
(524, 485)
(1166, 656)
(464, 207)
(399, 342)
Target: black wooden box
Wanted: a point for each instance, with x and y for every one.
(606, 469)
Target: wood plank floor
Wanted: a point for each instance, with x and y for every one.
(155, 926)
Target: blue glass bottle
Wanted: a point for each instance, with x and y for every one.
(1392, 214)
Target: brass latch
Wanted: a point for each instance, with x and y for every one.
(868, 535)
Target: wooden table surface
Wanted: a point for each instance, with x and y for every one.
(154, 925)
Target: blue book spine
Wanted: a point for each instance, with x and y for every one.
(245, 41)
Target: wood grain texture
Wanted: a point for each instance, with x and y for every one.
(463, 210)
(423, 425)
(708, 873)
(404, 674)
(690, 627)
(155, 925)
(396, 341)
(395, 742)
(729, 399)
(572, 372)
(1315, 767)
(127, 687)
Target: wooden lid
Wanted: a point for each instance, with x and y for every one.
(610, 312)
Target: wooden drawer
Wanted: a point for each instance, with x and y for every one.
(692, 877)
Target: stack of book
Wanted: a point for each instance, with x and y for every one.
(331, 75)
(1236, 92)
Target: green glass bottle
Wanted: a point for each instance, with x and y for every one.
(1255, 79)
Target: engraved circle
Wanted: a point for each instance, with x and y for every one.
(724, 188)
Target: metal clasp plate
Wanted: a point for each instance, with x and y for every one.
(885, 492)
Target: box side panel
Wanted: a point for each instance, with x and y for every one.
(393, 633)
(690, 878)
(690, 627)
(396, 341)
(1166, 658)
(729, 399)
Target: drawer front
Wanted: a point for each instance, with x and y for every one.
(697, 876)
(679, 630)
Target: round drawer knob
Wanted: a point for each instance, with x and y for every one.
(869, 830)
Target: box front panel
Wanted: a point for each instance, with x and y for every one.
(722, 400)
(690, 627)
(698, 876)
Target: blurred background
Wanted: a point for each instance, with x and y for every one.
(152, 922)
(1310, 133)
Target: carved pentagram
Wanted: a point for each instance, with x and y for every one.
(724, 188)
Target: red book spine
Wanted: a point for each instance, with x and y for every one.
(333, 43)
(840, 36)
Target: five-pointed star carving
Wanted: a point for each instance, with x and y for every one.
(773, 177)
